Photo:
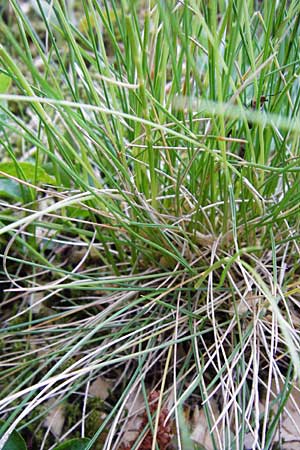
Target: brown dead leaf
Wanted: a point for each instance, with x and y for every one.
(35, 301)
(200, 431)
(289, 428)
(100, 388)
(135, 407)
(55, 418)
(206, 240)
(294, 314)
(248, 304)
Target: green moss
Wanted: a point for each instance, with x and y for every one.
(73, 413)
(32, 431)
(94, 420)
(66, 364)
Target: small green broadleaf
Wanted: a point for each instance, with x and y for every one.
(28, 170)
(15, 441)
(73, 444)
(5, 83)
(10, 189)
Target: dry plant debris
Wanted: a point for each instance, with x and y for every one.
(200, 430)
(55, 419)
(100, 388)
(164, 432)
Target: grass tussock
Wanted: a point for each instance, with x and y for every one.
(149, 211)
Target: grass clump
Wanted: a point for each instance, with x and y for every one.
(149, 198)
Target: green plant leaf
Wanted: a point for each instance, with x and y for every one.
(73, 444)
(47, 10)
(5, 83)
(10, 189)
(28, 170)
(15, 441)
